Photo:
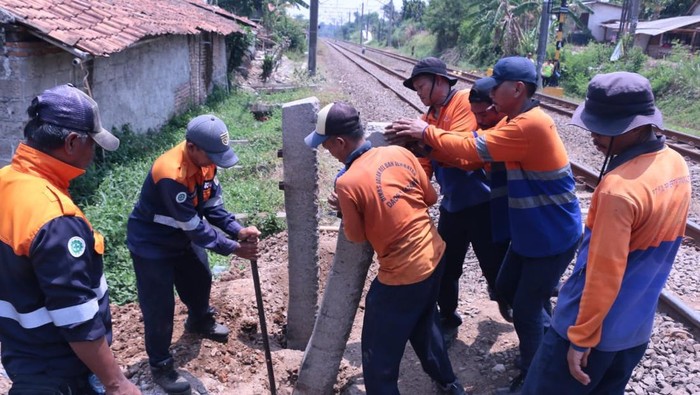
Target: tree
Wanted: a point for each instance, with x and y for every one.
(443, 18)
(413, 9)
(656, 9)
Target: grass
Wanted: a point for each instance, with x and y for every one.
(110, 188)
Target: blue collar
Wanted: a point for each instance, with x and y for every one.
(366, 146)
(636, 150)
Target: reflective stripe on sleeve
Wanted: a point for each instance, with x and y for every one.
(482, 149)
(60, 317)
(541, 200)
(172, 222)
(217, 201)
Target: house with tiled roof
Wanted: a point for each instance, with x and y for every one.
(143, 61)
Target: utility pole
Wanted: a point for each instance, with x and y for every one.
(542, 40)
(634, 17)
(362, 18)
(563, 10)
(313, 36)
(391, 25)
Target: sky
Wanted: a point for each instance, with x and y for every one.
(337, 11)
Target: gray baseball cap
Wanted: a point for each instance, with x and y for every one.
(210, 134)
(69, 107)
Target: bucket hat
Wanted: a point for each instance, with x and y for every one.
(617, 103)
(432, 66)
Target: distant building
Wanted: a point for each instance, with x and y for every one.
(602, 12)
(657, 37)
(142, 60)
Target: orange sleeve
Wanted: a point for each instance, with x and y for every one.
(608, 252)
(430, 194)
(427, 166)
(353, 223)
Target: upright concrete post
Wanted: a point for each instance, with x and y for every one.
(300, 191)
(319, 367)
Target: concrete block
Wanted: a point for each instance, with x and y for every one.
(300, 166)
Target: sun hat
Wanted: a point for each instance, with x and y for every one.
(617, 103)
(68, 107)
(210, 134)
(512, 68)
(432, 66)
(335, 119)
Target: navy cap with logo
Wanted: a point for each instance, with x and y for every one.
(512, 68)
(432, 66)
(210, 134)
(335, 119)
(617, 103)
(70, 108)
(480, 91)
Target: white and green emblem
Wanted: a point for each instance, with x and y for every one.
(76, 246)
(181, 197)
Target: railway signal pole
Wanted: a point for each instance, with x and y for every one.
(313, 36)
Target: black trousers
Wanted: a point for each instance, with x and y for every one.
(47, 385)
(471, 226)
(190, 275)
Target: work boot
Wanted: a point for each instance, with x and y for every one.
(514, 388)
(165, 375)
(207, 327)
(453, 388)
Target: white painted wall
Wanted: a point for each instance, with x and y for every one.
(137, 86)
(602, 13)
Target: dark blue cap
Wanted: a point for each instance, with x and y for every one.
(479, 93)
(210, 134)
(513, 68)
(68, 107)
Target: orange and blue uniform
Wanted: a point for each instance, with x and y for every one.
(175, 198)
(384, 196)
(167, 234)
(634, 228)
(543, 210)
(544, 217)
(52, 287)
(465, 209)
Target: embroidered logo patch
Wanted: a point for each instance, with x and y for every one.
(224, 138)
(181, 197)
(76, 246)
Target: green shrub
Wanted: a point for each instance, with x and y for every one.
(109, 189)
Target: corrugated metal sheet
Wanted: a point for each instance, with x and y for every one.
(103, 27)
(659, 26)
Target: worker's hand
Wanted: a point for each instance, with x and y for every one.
(577, 361)
(410, 128)
(123, 387)
(333, 201)
(250, 233)
(247, 249)
(393, 139)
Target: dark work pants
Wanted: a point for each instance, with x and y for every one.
(190, 274)
(527, 284)
(395, 314)
(460, 229)
(609, 371)
(47, 385)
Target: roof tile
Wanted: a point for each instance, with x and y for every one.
(102, 27)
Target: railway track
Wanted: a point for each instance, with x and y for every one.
(583, 174)
(686, 144)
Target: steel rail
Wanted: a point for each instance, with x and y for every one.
(584, 175)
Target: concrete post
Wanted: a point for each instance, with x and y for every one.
(300, 190)
(319, 368)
